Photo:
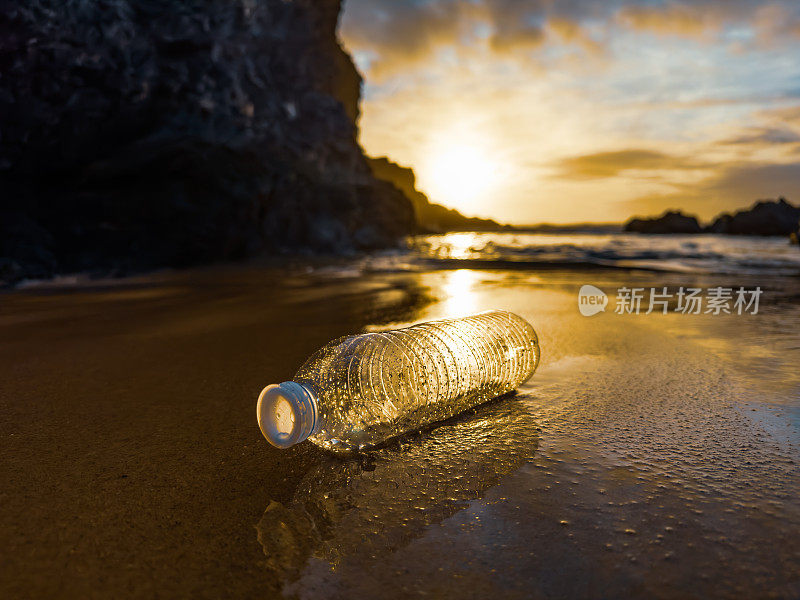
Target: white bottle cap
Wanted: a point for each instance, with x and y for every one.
(287, 413)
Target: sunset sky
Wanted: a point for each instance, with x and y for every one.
(578, 110)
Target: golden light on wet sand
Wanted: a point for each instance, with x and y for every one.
(460, 290)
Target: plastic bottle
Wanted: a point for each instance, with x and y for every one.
(360, 390)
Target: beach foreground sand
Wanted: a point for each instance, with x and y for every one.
(650, 455)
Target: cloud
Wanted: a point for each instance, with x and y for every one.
(672, 19)
(751, 181)
(732, 186)
(760, 23)
(787, 115)
(514, 39)
(401, 33)
(611, 164)
(765, 136)
(398, 34)
(776, 127)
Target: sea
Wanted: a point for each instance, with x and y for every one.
(701, 254)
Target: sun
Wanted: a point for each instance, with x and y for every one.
(460, 175)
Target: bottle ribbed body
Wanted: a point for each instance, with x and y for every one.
(374, 386)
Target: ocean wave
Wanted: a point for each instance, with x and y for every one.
(515, 251)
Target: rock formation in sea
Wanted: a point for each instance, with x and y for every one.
(430, 217)
(765, 217)
(669, 222)
(147, 133)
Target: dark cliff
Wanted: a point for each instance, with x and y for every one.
(145, 133)
(430, 217)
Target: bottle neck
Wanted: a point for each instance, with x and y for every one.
(287, 413)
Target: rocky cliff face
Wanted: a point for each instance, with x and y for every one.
(430, 217)
(142, 133)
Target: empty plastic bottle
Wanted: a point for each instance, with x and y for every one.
(360, 390)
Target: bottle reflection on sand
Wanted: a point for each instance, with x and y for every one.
(357, 510)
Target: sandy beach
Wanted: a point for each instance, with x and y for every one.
(195, 197)
(651, 456)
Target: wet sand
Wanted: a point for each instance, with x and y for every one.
(650, 455)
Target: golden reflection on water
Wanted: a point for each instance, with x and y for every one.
(460, 245)
(460, 297)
